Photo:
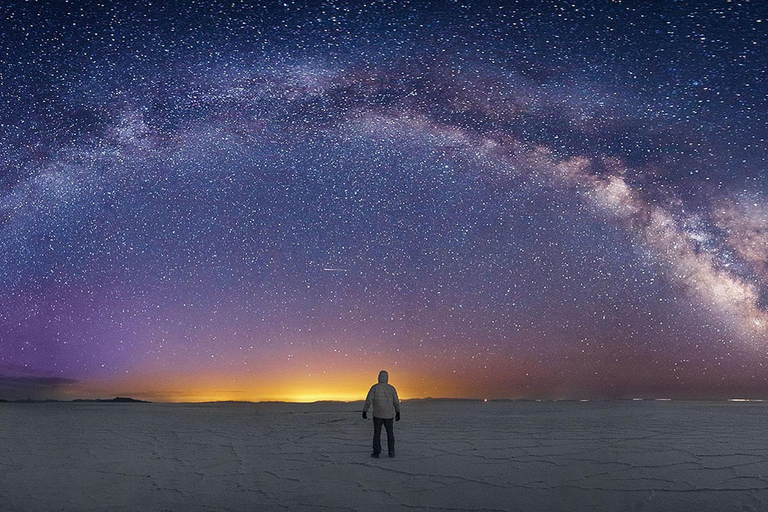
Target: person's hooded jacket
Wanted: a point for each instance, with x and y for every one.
(383, 398)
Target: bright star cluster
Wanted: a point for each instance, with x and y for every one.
(275, 200)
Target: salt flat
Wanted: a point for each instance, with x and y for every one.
(526, 456)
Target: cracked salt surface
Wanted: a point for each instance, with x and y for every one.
(515, 456)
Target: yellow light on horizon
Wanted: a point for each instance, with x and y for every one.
(291, 385)
(322, 397)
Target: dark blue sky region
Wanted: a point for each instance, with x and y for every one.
(274, 201)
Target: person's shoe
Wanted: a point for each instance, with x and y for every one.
(375, 455)
(391, 454)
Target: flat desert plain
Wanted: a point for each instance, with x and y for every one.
(511, 456)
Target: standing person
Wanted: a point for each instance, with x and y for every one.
(386, 406)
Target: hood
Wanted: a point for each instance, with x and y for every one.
(383, 376)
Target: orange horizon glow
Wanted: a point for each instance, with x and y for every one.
(309, 377)
(288, 387)
(321, 376)
(202, 395)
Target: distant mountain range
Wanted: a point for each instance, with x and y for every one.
(117, 399)
(127, 400)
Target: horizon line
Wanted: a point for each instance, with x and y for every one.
(429, 398)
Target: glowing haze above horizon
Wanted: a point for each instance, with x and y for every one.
(223, 201)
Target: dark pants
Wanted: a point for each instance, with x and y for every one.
(388, 424)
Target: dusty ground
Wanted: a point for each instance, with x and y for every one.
(596, 456)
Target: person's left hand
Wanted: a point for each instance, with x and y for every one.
(365, 415)
(397, 416)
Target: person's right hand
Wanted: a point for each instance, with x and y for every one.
(397, 417)
(365, 415)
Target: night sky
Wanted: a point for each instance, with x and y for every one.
(225, 201)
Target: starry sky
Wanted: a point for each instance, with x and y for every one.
(275, 200)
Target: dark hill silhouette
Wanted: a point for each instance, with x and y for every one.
(117, 399)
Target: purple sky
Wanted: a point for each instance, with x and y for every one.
(275, 202)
